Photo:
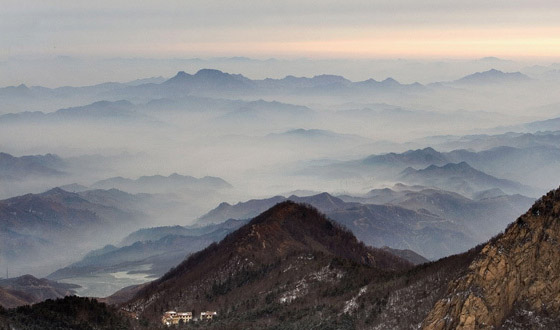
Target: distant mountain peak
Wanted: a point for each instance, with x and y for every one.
(160, 183)
(390, 81)
(491, 58)
(210, 73)
(114, 103)
(426, 151)
(56, 190)
(461, 165)
(209, 78)
(493, 76)
(429, 149)
(330, 78)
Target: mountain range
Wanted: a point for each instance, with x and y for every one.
(118, 111)
(433, 223)
(461, 178)
(361, 257)
(463, 171)
(162, 184)
(481, 142)
(493, 76)
(205, 82)
(15, 168)
(292, 267)
(483, 216)
(273, 271)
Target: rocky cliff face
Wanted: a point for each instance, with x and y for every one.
(515, 281)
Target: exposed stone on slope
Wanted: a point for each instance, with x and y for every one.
(517, 270)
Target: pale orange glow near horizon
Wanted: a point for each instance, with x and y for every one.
(289, 29)
(537, 42)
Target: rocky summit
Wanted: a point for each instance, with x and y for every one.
(514, 282)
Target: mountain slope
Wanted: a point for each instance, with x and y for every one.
(426, 233)
(206, 80)
(420, 157)
(101, 111)
(265, 260)
(147, 253)
(38, 165)
(483, 217)
(493, 76)
(462, 178)
(529, 159)
(11, 298)
(29, 290)
(162, 184)
(45, 229)
(515, 280)
(241, 210)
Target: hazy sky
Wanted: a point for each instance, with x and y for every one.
(287, 28)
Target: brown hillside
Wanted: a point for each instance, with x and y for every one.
(287, 252)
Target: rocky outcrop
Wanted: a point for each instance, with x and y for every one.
(516, 273)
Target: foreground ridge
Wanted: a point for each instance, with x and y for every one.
(290, 253)
(515, 280)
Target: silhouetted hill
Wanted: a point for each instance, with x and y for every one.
(249, 114)
(208, 80)
(35, 226)
(155, 233)
(510, 139)
(483, 216)
(116, 111)
(544, 125)
(162, 184)
(16, 168)
(30, 290)
(134, 203)
(493, 76)
(420, 157)
(529, 159)
(462, 178)
(317, 138)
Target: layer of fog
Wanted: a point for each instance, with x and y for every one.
(256, 145)
(260, 146)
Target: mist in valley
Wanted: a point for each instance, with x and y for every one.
(166, 151)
